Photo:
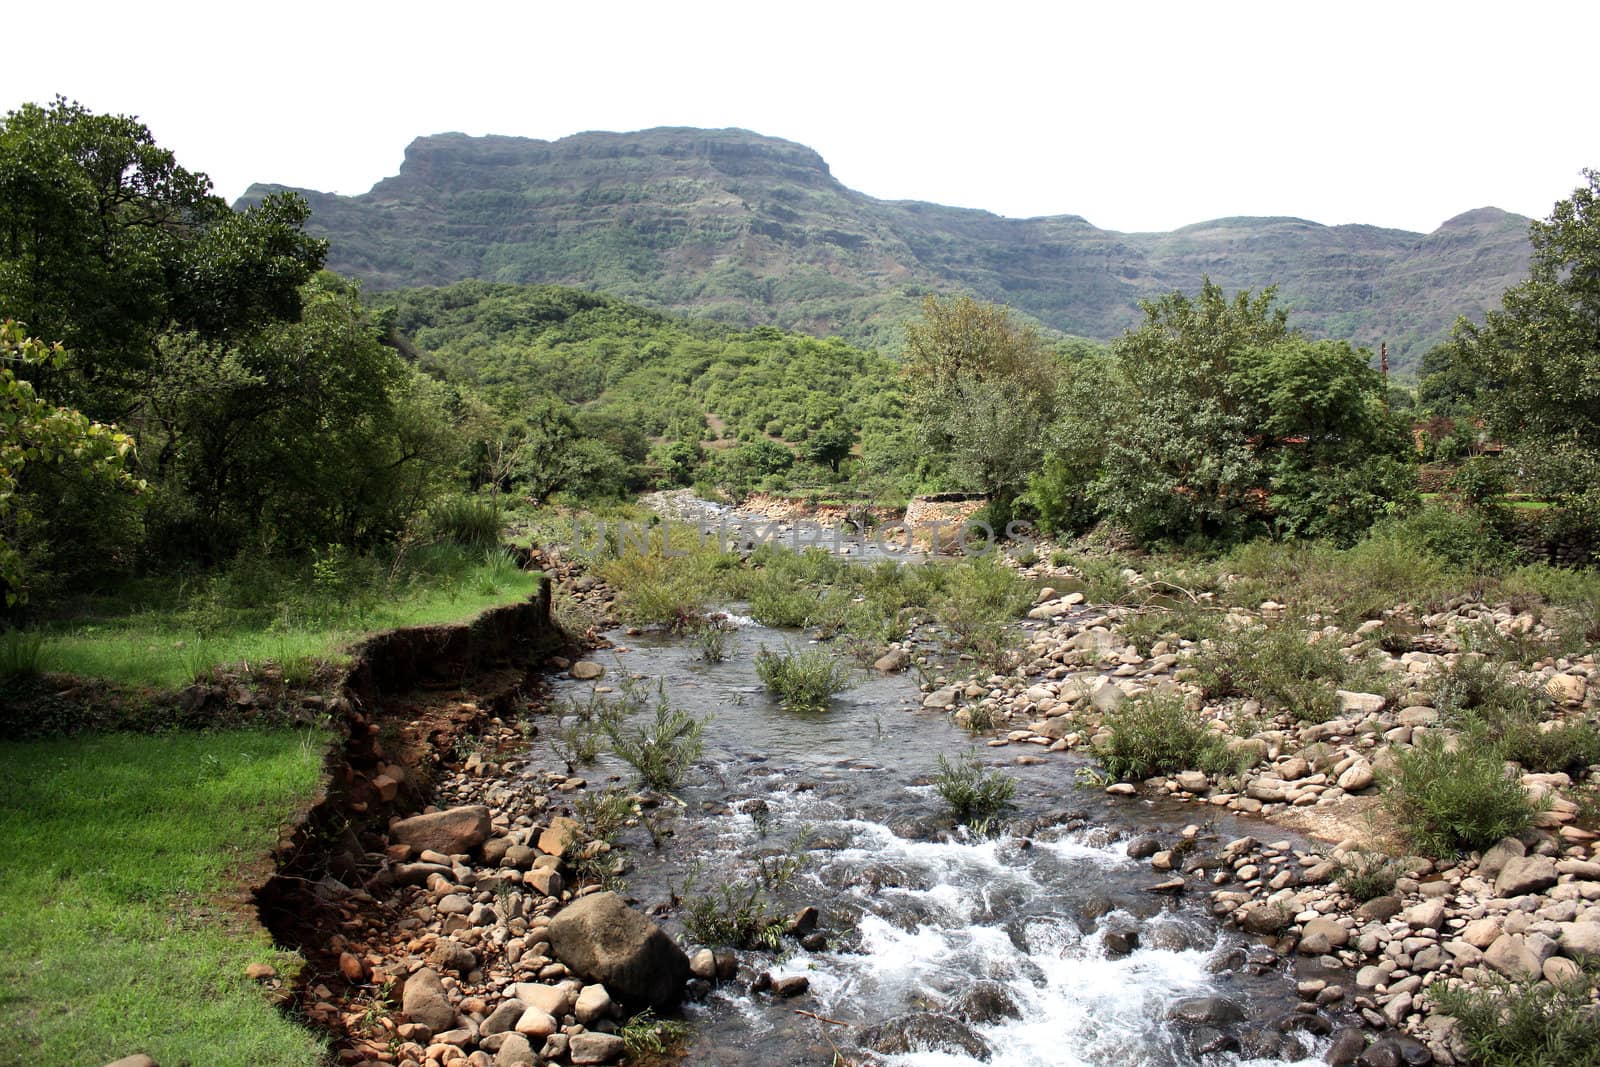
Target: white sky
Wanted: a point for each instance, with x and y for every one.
(1147, 117)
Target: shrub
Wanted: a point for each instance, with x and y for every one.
(663, 750)
(1446, 800)
(466, 521)
(1279, 667)
(779, 600)
(1367, 875)
(974, 797)
(742, 912)
(1568, 746)
(1157, 734)
(1461, 539)
(803, 681)
(711, 638)
(1525, 1024)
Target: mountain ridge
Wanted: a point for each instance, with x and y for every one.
(750, 229)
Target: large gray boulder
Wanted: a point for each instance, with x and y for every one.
(453, 832)
(602, 939)
(426, 1002)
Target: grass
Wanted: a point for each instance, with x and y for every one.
(121, 854)
(168, 631)
(1446, 800)
(803, 680)
(1278, 666)
(663, 749)
(1157, 734)
(1367, 875)
(973, 796)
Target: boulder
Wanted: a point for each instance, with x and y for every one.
(1322, 936)
(1581, 941)
(515, 1051)
(452, 832)
(586, 670)
(1358, 703)
(593, 1004)
(426, 1002)
(602, 939)
(588, 1050)
(1525, 874)
(1510, 956)
(559, 836)
(924, 1032)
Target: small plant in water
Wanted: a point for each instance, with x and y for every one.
(803, 681)
(644, 1034)
(662, 750)
(975, 797)
(712, 637)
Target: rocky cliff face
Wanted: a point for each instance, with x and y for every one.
(753, 229)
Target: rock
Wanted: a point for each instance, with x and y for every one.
(1395, 1051)
(1142, 848)
(1429, 915)
(604, 940)
(790, 985)
(1322, 936)
(1494, 860)
(923, 1032)
(1510, 956)
(1120, 942)
(1259, 917)
(988, 1002)
(1566, 688)
(1356, 777)
(1581, 941)
(703, 964)
(559, 836)
(586, 670)
(940, 699)
(1525, 874)
(1193, 781)
(1480, 933)
(557, 1000)
(893, 660)
(1108, 698)
(515, 1051)
(138, 1059)
(1206, 1010)
(1380, 908)
(426, 1002)
(536, 1023)
(1348, 1045)
(590, 1049)
(452, 832)
(452, 955)
(503, 1019)
(546, 881)
(594, 1004)
(1358, 703)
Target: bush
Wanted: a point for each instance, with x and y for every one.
(1484, 700)
(778, 600)
(711, 637)
(803, 681)
(1525, 1024)
(1279, 667)
(466, 521)
(1367, 875)
(1460, 539)
(1568, 746)
(1447, 800)
(975, 797)
(1157, 734)
(663, 750)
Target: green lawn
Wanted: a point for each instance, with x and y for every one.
(116, 852)
(165, 632)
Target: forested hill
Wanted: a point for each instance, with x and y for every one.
(748, 229)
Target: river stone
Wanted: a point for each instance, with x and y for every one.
(590, 1049)
(451, 832)
(1525, 874)
(1356, 777)
(426, 1002)
(893, 660)
(923, 1032)
(987, 1002)
(1358, 703)
(1213, 1011)
(1581, 941)
(703, 964)
(1259, 917)
(1348, 1045)
(554, 1000)
(1503, 852)
(1381, 908)
(1395, 1051)
(452, 955)
(1429, 915)
(1566, 688)
(605, 941)
(536, 1023)
(138, 1059)
(593, 1004)
(1322, 936)
(514, 1052)
(1510, 956)
(586, 670)
(559, 836)
(503, 1019)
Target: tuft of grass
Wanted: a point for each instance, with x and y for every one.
(974, 797)
(1446, 800)
(130, 852)
(467, 521)
(743, 912)
(1367, 875)
(663, 749)
(711, 638)
(1157, 734)
(803, 680)
(1278, 666)
(646, 1035)
(1524, 1024)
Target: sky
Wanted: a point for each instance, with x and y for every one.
(1147, 117)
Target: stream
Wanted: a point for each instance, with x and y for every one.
(1008, 933)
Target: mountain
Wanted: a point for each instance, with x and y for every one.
(748, 229)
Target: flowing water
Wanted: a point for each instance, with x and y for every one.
(1007, 932)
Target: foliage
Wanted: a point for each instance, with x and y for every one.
(804, 680)
(1278, 666)
(465, 520)
(664, 748)
(1448, 798)
(34, 433)
(974, 797)
(1367, 875)
(981, 390)
(1531, 1023)
(742, 911)
(711, 636)
(1157, 734)
(1537, 357)
(645, 1035)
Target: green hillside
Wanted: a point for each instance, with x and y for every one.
(751, 230)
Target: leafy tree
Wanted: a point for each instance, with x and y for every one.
(831, 445)
(1538, 355)
(982, 389)
(107, 243)
(765, 457)
(34, 433)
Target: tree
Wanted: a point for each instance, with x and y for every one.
(1538, 355)
(107, 243)
(831, 444)
(982, 389)
(34, 433)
